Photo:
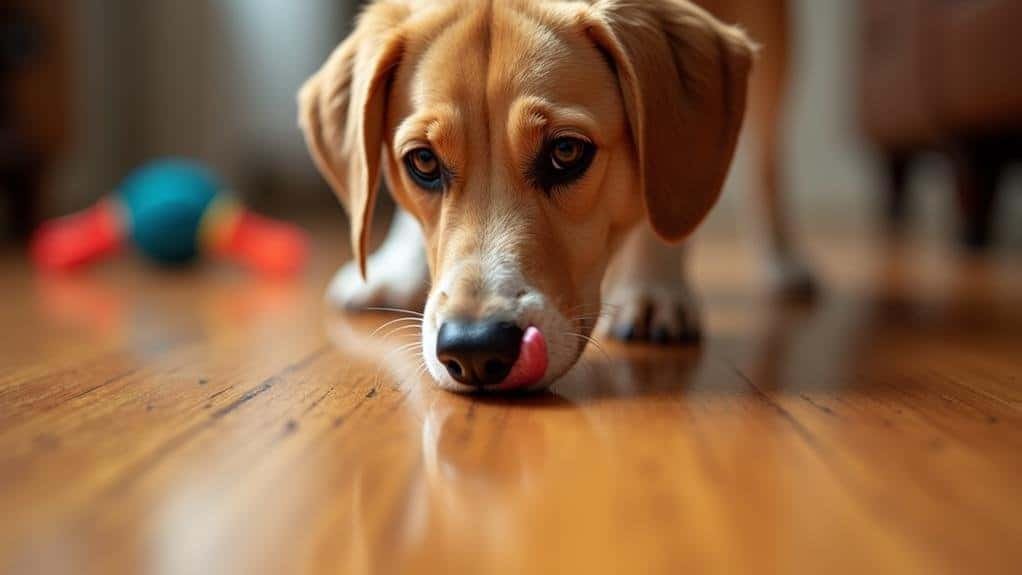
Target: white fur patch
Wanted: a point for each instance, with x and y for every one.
(397, 272)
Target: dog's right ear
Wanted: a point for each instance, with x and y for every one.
(342, 112)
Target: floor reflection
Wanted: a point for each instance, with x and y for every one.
(153, 311)
(493, 474)
(673, 450)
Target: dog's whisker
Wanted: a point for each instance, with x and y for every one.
(571, 346)
(403, 338)
(407, 347)
(592, 341)
(423, 370)
(590, 308)
(398, 321)
(401, 330)
(400, 335)
(406, 341)
(588, 321)
(403, 327)
(596, 343)
(409, 312)
(415, 347)
(592, 315)
(587, 324)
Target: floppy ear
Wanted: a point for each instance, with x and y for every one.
(683, 77)
(342, 112)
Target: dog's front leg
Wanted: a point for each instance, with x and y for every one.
(647, 294)
(397, 272)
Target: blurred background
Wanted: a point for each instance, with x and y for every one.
(921, 94)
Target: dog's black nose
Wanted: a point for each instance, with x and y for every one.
(479, 353)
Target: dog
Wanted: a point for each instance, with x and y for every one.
(526, 142)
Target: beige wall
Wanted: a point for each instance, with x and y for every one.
(210, 80)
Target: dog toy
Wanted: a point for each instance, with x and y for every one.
(172, 211)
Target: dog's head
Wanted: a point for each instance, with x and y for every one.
(527, 137)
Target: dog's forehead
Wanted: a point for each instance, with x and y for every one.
(494, 53)
(528, 51)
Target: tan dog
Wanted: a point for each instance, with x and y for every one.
(525, 142)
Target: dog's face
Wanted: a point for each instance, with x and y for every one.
(526, 137)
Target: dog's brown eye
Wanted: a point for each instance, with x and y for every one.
(425, 168)
(567, 152)
(561, 162)
(425, 161)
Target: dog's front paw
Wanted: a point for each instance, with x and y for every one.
(789, 277)
(397, 273)
(386, 287)
(659, 313)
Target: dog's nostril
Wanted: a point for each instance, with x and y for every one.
(454, 368)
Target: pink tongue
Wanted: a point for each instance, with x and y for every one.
(532, 361)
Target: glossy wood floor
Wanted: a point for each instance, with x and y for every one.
(197, 422)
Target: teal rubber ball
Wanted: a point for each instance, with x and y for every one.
(165, 202)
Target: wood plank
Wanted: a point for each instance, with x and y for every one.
(188, 422)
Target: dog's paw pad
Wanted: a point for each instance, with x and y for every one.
(659, 315)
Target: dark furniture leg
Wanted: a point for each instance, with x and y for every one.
(21, 177)
(977, 172)
(896, 166)
(24, 189)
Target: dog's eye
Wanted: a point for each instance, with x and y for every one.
(425, 169)
(562, 161)
(565, 153)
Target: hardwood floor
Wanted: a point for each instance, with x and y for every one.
(197, 422)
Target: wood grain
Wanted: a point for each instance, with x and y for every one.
(199, 422)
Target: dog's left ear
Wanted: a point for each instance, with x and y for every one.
(342, 111)
(684, 78)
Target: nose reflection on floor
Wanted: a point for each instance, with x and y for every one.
(499, 473)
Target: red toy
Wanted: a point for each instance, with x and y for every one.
(173, 211)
